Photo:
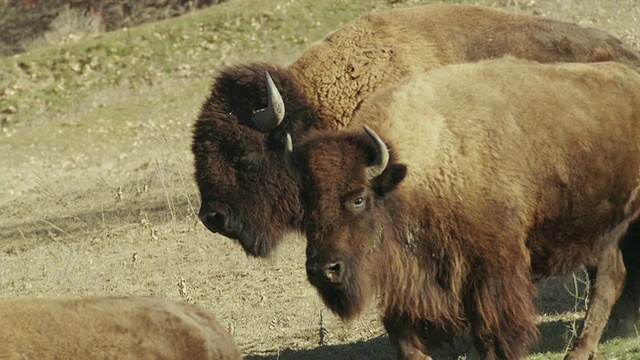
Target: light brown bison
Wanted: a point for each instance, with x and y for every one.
(111, 328)
(491, 175)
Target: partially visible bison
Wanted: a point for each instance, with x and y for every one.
(239, 135)
(487, 176)
(111, 328)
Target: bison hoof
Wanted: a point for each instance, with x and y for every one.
(581, 354)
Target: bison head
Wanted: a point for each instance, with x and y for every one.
(238, 142)
(345, 177)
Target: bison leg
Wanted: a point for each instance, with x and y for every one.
(626, 313)
(501, 310)
(608, 282)
(407, 337)
(447, 344)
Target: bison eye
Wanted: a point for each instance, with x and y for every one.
(356, 204)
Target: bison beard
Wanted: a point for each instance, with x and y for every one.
(347, 301)
(531, 174)
(348, 297)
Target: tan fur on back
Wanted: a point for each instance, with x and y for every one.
(386, 47)
(502, 148)
(110, 328)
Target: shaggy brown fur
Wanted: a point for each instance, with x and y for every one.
(378, 49)
(490, 184)
(111, 328)
(245, 192)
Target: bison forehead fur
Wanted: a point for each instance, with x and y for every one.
(515, 170)
(245, 192)
(109, 328)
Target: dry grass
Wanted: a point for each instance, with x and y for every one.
(96, 189)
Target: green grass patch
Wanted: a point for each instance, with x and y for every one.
(193, 46)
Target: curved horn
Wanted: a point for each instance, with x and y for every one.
(268, 118)
(380, 163)
(293, 169)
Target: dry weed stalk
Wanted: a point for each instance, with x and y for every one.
(153, 233)
(182, 289)
(572, 330)
(119, 194)
(322, 331)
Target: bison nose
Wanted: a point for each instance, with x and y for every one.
(331, 272)
(215, 221)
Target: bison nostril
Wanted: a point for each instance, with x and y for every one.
(333, 272)
(214, 221)
(322, 272)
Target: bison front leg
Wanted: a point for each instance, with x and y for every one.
(501, 310)
(447, 344)
(407, 337)
(608, 282)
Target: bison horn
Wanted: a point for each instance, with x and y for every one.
(382, 159)
(293, 169)
(268, 118)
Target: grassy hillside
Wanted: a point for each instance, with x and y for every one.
(28, 24)
(96, 189)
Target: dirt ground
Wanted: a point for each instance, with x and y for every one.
(99, 199)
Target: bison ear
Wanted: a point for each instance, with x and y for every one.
(389, 179)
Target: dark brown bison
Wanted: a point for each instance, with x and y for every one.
(238, 140)
(491, 175)
(110, 328)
